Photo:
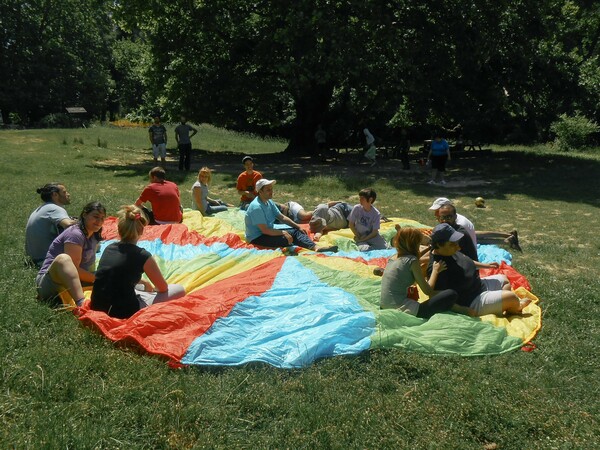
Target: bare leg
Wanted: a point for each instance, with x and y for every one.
(304, 216)
(64, 273)
(434, 174)
(512, 304)
(497, 237)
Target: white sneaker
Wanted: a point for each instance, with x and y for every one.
(443, 182)
(431, 182)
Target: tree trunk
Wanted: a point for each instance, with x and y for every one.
(311, 110)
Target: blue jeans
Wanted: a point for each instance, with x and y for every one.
(210, 209)
(300, 239)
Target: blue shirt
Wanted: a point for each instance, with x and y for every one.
(260, 213)
(439, 148)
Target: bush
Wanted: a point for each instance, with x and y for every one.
(57, 120)
(573, 132)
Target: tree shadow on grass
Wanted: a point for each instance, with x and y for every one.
(498, 174)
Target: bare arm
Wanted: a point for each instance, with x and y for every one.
(65, 223)
(353, 229)
(371, 235)
(493, 265)
(427, 287)
(75, 252)
(155, 276)
(197, 195)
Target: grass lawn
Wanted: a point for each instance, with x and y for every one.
(63, 385)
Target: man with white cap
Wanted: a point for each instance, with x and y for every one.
(260, 220)
(460, 219)
(484, 237)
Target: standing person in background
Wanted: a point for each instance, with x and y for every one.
(157, 134)
(402, 149)
(370, 149)
(439, 154)
(163, 195)
(47, 221)
(246, 182)
(321, 139)
(184, 143)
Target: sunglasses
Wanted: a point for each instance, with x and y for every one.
(447, 217)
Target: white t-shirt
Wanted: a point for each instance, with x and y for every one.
(467, 225)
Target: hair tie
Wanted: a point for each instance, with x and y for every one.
(137, 216)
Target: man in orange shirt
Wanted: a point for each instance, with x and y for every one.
(246, 182)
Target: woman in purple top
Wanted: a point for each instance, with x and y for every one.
(72, 256)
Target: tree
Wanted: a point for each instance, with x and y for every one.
(53, 54)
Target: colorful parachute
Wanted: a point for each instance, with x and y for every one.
(290, 308)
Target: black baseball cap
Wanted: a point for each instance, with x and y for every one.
(444, 233)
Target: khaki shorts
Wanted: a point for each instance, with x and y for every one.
(46, 287)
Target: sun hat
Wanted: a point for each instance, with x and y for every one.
(439, 202)
(262, 183)
(317, 224)
(444, 233)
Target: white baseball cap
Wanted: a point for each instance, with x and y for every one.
(439, 202)
(263, 182)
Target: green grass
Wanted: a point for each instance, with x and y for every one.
(63, 385)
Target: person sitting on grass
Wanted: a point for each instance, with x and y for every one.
(71, 257)
(329, 216)
(200, 199)
(121, 268)
(481, 237)
(403, 271)
(47, 221)
(246, 182)
(488, 295)
(260, 220)
(163, 195)
(447, 214)
(365, 221)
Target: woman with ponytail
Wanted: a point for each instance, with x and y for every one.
(120, 270)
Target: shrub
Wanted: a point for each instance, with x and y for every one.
(57, 120)
(573, 132)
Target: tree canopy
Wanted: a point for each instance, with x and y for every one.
(503, 69)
